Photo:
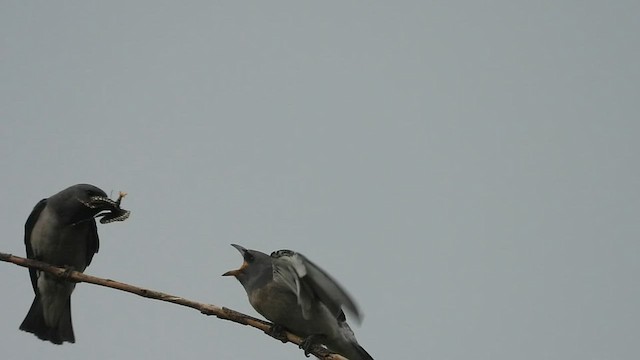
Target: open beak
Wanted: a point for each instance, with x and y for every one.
(242, 267)
(236, 272)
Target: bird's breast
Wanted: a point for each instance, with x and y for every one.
(273, 302)
(279, 305)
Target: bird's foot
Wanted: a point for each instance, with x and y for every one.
(277, 332)
(309, 343)
(67, 272)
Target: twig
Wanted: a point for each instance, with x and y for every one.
(207, 309)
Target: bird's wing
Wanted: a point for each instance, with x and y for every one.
(330, 292)
(28, 228)
(290, 271)
(310, 282)
(93, 241)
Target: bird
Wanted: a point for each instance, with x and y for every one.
(61, 231)
(297, 295)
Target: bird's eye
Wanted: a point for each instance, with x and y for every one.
(248, 257)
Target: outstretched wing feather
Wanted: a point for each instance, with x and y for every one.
(308, 281)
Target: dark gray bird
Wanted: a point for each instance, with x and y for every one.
(61, 231)
(294, 293)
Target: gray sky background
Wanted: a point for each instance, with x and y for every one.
(468, 170)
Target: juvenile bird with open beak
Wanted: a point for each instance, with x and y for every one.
(294, 293)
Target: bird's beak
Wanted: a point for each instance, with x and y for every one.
(109, 210)
(244, 265)
(238, 271)
(240, 248)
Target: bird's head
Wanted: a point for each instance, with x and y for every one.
(83, 202)
(255, 269)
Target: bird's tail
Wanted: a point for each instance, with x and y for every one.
(352, 351)
(345, 342)
(361, 352)
(35, 323)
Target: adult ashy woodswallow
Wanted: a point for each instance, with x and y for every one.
(61, 230)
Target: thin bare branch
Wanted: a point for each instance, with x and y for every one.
(207, 309)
